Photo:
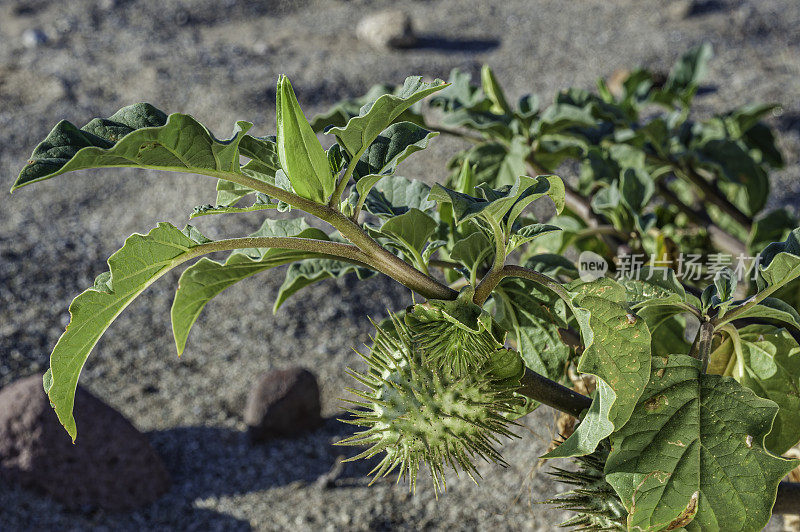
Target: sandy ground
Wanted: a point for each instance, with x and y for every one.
(219, 61)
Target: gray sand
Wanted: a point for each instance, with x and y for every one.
(219, 61)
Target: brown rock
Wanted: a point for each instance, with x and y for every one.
(283, 403)
(111, 466)
(387, 29)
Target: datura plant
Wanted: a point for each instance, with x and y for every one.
(697, 383)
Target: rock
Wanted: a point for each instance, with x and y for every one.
(111, 466)
(387, 29)
(283, 403)
(34, 37)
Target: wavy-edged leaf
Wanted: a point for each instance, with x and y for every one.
(309, 271)
(376, 116)
(392, 146)
(139, 263)
(766, 359)
(411, 230)
(780, 262)
(396, 195)
(472, 251)
(617, 351)
(503, 205)
(205, 279)
(692, 454)
(135, 136)
(771, 309)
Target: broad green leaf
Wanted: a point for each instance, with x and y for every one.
(529, 233)
(412, 229)
(299, 151)
(342, 111)
(376, 116)
(528, 313)
(503, 205)
(692, 454)
(617, 351)
(460, 94)
(559, 117)
(137, 265)
(135, 136)
(472, 251)
(780, 262)
(396, 195)
(309, 271)
(636, 187)
(205, 279)
(766, 359)
(392, 146)
(771, 309)
(263, 165)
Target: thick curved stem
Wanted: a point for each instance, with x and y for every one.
(552, 394)
(493, 278)
(379, 258)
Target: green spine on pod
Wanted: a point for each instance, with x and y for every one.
(595, 503)
(418, 415)
(456, 336)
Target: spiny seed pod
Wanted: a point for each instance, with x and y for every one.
(597, 505)
(457, 336)
(417, 414)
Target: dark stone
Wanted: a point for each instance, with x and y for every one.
(111, 466)
(283, 403)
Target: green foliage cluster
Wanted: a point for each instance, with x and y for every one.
(680, 432)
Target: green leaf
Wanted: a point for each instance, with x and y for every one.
(300, 152)
(374, 117)
(617, 351)
(780, 262)
(472, 251)
(342, 111)
(205, 279)
(135, 136)
(396, 195)
(392, 146)
(497, 204)
(411, 230)
(771, 309)
(529, 314)
(765, 359)
(309, 271)
(636, 187)
(529, 233)
(137, 265)
(559, 117)
(692, 454)
(690, 69)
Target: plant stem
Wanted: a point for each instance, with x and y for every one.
(552, 394)
(491, 280)
(332, 249)
(379, 258)
(701, 348)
